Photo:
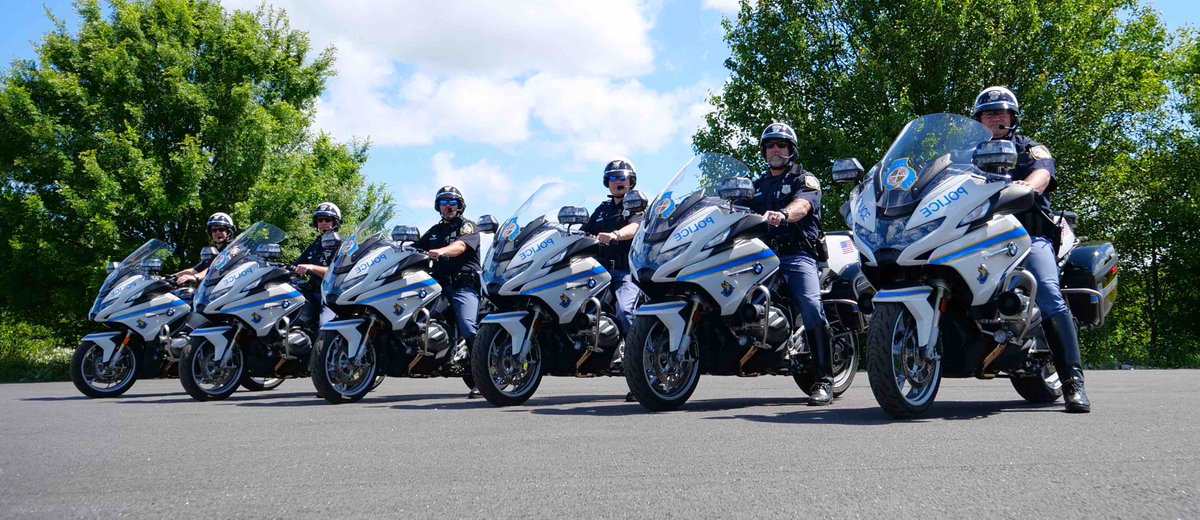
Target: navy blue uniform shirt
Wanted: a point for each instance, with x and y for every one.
(775, 192)
(443, 234)
(609, 217)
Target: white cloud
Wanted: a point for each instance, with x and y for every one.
(725, 6)
(482, 37)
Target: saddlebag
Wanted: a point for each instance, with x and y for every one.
(1089, 282)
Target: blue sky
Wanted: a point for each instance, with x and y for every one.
(497, 97)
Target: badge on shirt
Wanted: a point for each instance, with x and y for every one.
(467, 228)
(810, 181)
(787, 188)
(1039, 152)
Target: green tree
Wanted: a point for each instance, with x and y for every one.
(151, 116)
(1094, 78)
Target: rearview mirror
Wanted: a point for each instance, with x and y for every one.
(208, 253)
(112, 266)
(847, 170)
(634, 202)
(737, 188)
(993, 155)
(152, 264)
(405, 234)
(486, 224)
(269, 251)
(570, 215)
(330, 240)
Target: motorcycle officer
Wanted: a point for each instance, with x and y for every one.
(614, 227)
(314, 264)
(453, 245)
(221, 230)
(997, 108)
(790, 198)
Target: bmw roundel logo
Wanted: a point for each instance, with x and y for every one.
(285, 303)
(758, 268)
(423, 293)
(591, 283)
(170, 312)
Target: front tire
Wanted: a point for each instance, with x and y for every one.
(203, 377)
(904, 383)
(1040, 388)
(661, 380)
(335, 375)
(501, 378)
(259, 384)
(100, 380)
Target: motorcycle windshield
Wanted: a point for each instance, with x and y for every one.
(372, 230)
(693, 188)
(238, 251)
(537, 213)
(153, 249)
(920, 154)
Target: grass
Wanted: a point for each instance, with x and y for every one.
(33, 353)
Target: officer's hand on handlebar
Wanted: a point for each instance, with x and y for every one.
(774, 218)
(606, 237)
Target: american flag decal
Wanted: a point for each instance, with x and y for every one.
(847, 247)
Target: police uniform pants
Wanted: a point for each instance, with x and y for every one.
(464, 301)
(625, 296)
(1057, 322)
(803, 280)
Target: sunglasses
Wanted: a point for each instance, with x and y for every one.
(218, 230)
(776, 144)
(324, 219)
(447, 203)
(615, 178)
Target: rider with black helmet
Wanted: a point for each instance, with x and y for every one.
(614, 227)
(997, 108)
(221, 230)
(453, 245)
(790, 198)
(314, 261)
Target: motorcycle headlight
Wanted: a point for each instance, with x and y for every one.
(899, 238)
(976, 213)
(668, 253)
(869, 237)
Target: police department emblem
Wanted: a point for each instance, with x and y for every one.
(510, 230)
(564, 301)
(983, 274)
(899, 176)
(254, 317)
(665, 206)
(726, 288)
(811, 182)
(141, 324)
(350, 246)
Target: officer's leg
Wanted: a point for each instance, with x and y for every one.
(465, 303)
(626, 294)
(1058, 324)
(803, 278)
(310, 313)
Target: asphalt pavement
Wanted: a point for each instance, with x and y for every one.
(742, 447)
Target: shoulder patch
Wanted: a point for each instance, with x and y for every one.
(810, 182)
(1040, 152)
(467, 228)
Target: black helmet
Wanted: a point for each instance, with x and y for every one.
(997, 98)
(621, 165)
(778, 131)
(328, 209)
(221, 220)
(449, 193)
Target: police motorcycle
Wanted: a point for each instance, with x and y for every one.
(392, 318)
(146, 313)
(550, 309)
(715, 303)
(250, 303)
(935, 224)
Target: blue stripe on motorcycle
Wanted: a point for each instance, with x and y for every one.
(595, 271)
(148, 311)
(503, 315)
(766, 253)
(1015, 233)
(423, 283)
(901, 292)
(210, 330)
(662, 306)
(285, 296)
(98, 335)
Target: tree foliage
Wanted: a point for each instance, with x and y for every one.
(151, 116)
(1101, 82)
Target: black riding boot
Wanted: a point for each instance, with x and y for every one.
(821, 342)
(1064, 343)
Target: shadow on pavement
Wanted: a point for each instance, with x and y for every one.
(873, 415)
(314, 400)
(620, 407)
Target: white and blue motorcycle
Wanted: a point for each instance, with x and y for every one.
(250, 304)
(935, 224)
(146, 316)
(551, 311)
(715, 303)
(391, 316)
